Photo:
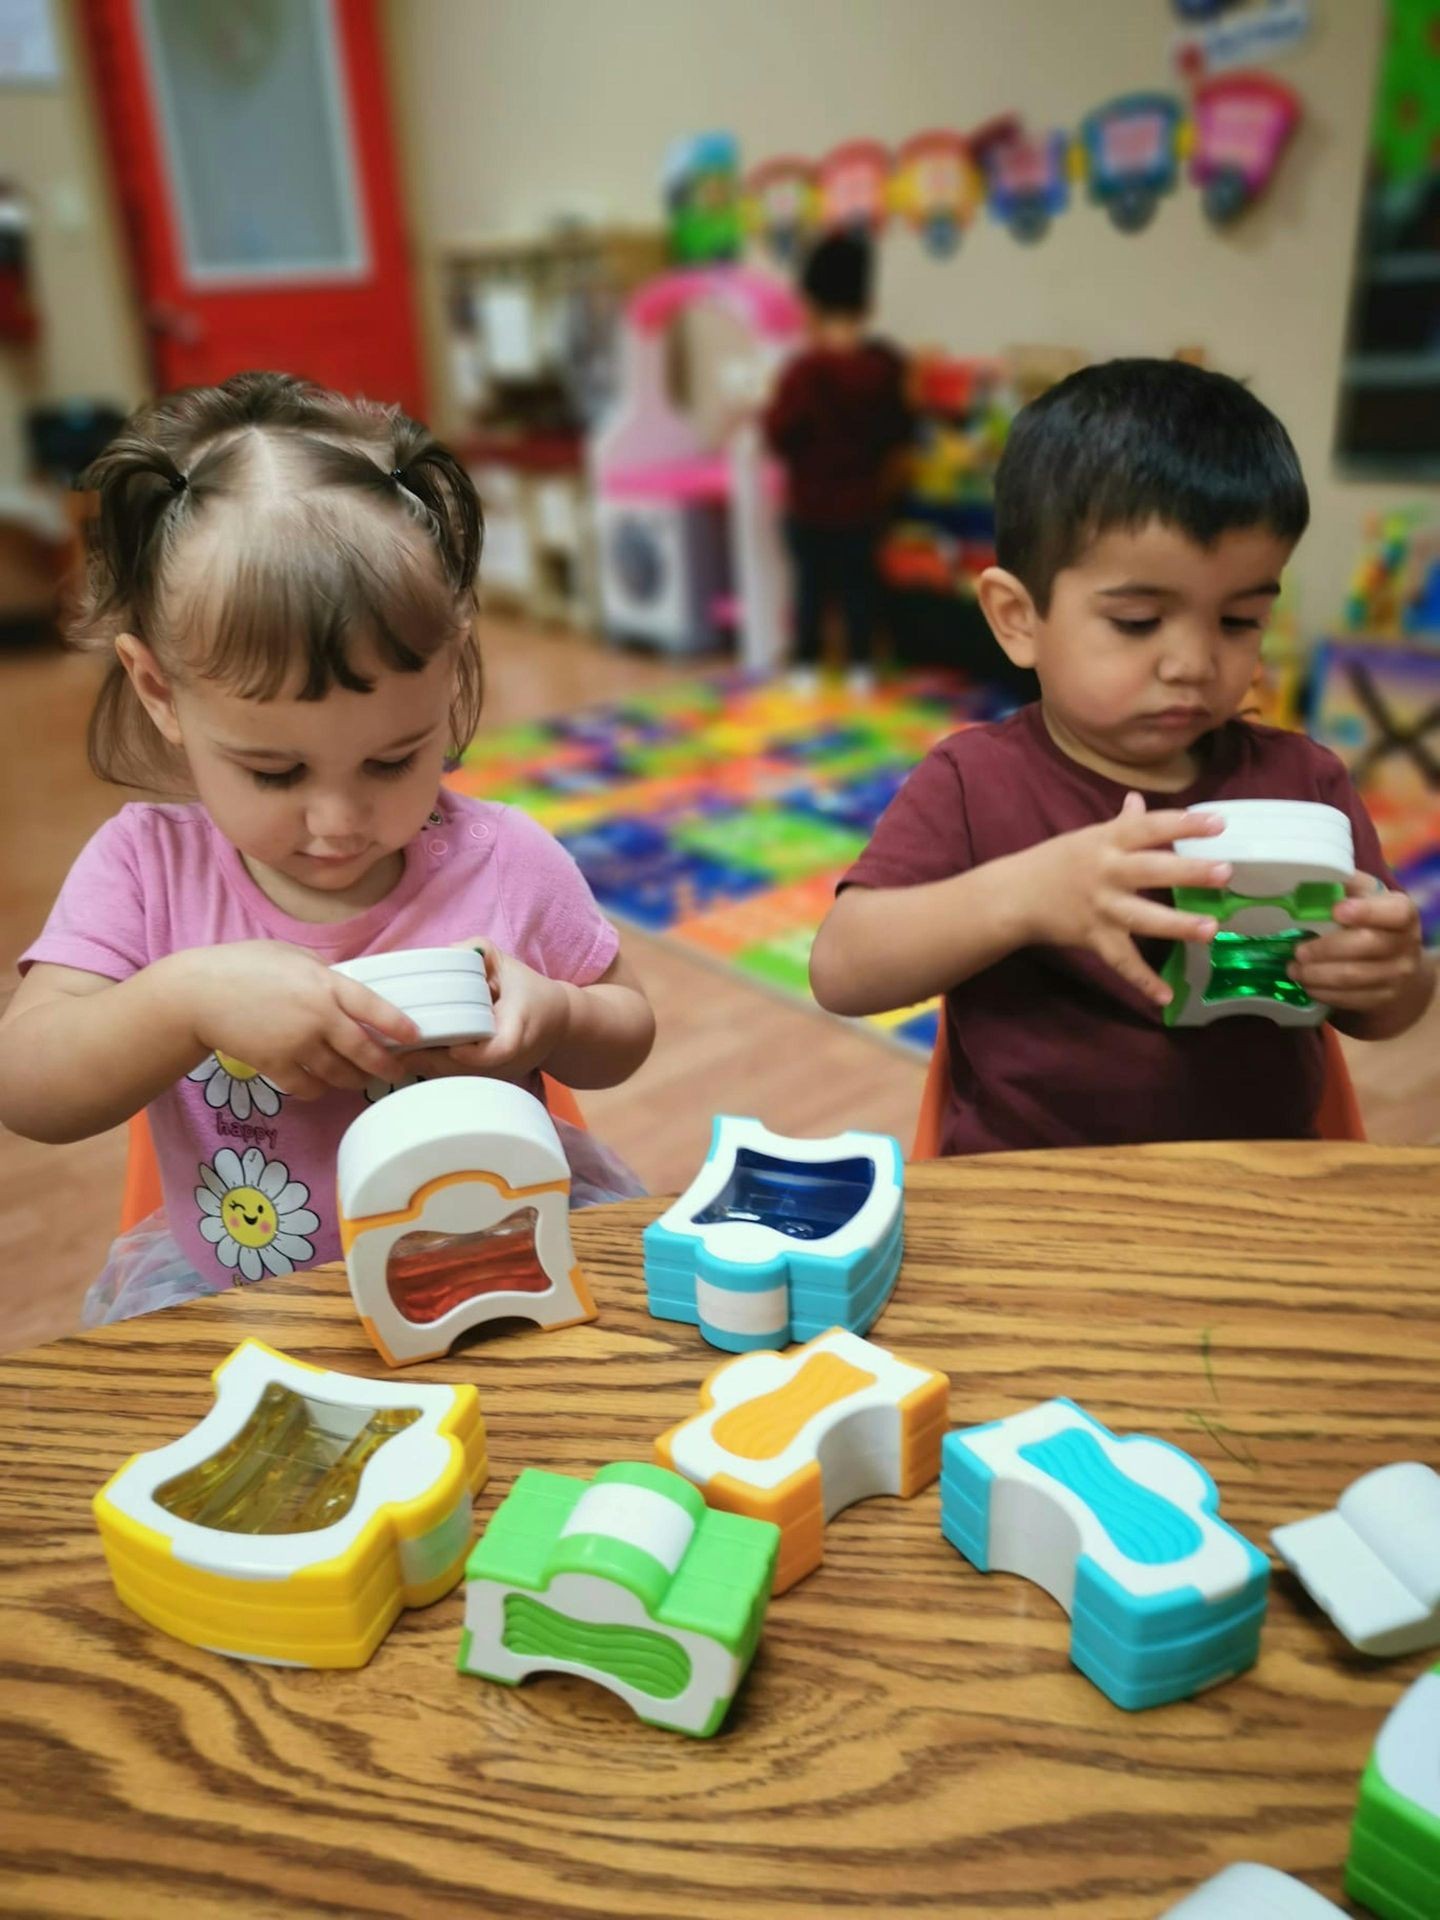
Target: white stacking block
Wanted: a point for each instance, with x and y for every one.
(1373, 1563)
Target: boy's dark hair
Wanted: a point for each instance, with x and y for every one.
(1136, 440)
(838, 273)
(261, 533)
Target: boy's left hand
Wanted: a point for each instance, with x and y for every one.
(532, 1019)
(1373, 954)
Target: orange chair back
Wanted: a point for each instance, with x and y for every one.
(1338, 1118)
(142, 1194)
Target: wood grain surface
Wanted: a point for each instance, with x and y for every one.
(912, 1738)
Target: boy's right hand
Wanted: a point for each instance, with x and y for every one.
(289, 1016)
(1087, 888)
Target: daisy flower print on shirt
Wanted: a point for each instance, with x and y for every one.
(254, 1215)
(230, 1083)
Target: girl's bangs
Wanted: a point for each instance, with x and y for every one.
(295, 609)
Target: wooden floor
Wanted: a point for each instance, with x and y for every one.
(725, 1046)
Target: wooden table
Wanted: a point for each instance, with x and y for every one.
(911, 1738)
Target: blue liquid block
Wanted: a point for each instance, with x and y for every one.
(1164, 1598)
(778, 1240)
(802, 1202)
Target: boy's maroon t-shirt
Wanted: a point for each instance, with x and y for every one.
(1050, 1047)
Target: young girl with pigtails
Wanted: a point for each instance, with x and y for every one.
(285, 582)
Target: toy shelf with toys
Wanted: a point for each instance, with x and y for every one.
(943, 533)
(533, 325)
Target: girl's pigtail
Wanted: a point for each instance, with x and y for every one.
(430, 471)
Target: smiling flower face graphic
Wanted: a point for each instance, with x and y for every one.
(254, 1214)
(230, 1083)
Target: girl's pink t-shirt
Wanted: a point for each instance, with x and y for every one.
(156, 880)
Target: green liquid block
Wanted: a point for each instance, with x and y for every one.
(649, 1662)
(1248, 966)
(1251, 966)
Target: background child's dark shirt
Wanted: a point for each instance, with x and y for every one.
(1050, 1047)
(835, 420)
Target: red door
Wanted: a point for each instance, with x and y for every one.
(251, 148)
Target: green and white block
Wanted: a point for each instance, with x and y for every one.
(629, 1580)
(1394, 1864)
(1290, 860)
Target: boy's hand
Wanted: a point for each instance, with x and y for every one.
(1087, 888)
(1373, 955)
(532, 1019)
(289, 1016)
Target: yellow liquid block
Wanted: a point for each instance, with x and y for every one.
(293, 1467)
(301, 1536)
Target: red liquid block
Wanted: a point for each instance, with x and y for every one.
(429, 1274)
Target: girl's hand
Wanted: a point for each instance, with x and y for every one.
(289, 1016)
(1373, 956)
(1087, 888)
(532, 1020)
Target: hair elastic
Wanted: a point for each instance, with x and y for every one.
(179, 482)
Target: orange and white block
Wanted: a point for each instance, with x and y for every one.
(795, 1437)
(454, 1210)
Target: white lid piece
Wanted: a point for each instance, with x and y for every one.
(1373, 1564)
(1276, 845)
(444, 990)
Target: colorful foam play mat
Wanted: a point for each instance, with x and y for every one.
(720, 813)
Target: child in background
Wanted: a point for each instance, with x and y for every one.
(286, 583)
(837, 419)
(1145, 510)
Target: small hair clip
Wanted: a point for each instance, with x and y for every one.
(179, 482)
(398, 476)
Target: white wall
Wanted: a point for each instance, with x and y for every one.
(512, 111)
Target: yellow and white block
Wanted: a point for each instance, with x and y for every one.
(301, 1515)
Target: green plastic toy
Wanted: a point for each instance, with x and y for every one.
(1289, 862)
(1239, 967)
(629, 1579)
(1394, 1865)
